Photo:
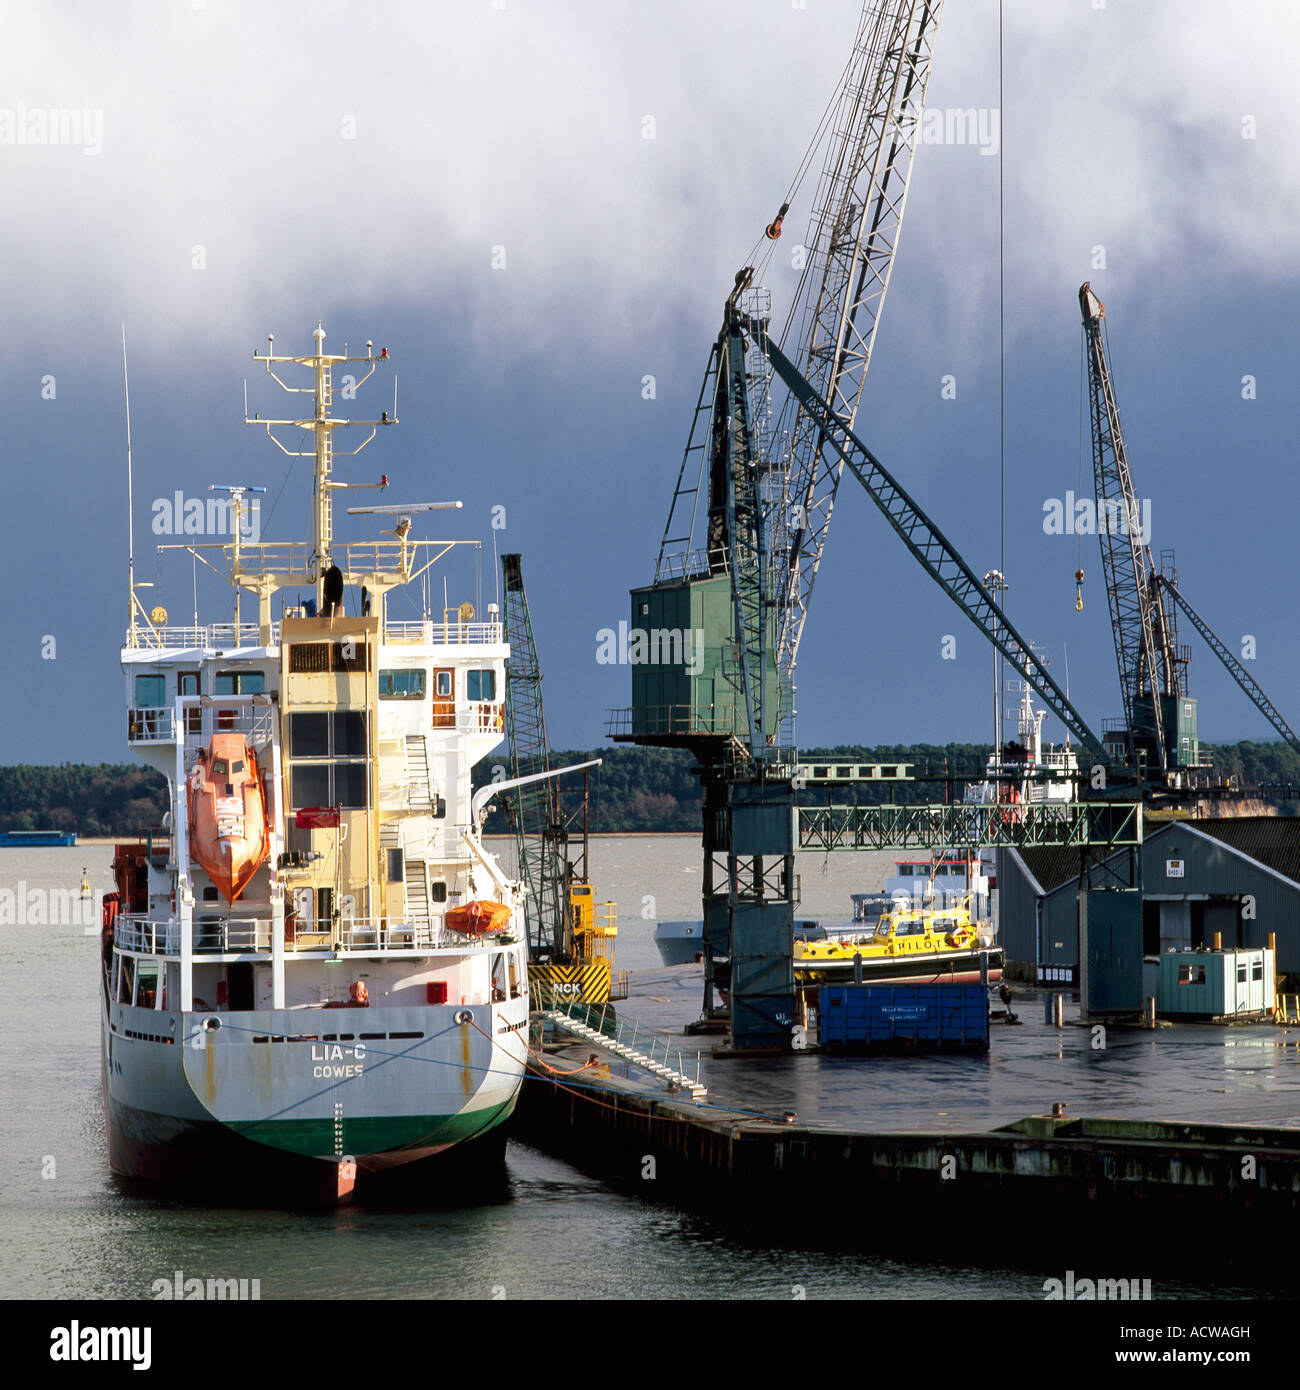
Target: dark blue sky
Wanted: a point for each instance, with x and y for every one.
(522, 386)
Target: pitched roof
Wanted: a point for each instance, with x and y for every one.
(1050, 865)
(1273, 841)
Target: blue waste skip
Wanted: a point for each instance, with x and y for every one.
(949, 1018)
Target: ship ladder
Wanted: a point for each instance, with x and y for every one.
(417, 900)
(675, 1078)
(419, 785)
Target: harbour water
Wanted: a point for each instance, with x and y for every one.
(72, 1231)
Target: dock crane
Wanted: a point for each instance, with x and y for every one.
(857, 218)
(1158, 736)
(570, 935)
(1158, 732)
(540, 833)
(747, 525)
(932, 549)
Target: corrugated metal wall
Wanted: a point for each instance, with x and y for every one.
(1212, 870)
(1017, 932)
(1209, 870)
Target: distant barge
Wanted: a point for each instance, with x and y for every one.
(33, 839)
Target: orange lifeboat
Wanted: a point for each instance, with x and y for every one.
(229, 834)
(479, 918)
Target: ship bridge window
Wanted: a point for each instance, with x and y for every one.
(328, 752)
(240, 683)
(329, 784)
(330, 734)
(402, 684)
(150, 692)
(481, 685)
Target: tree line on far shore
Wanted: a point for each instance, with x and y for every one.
(635, 789)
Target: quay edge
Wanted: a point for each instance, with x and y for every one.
(1135, 1197)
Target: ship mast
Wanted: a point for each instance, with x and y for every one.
(130, 504)
(322, 426)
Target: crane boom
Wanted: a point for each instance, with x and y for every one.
(1137, 619)
(1235, 669)
(935, 552)
(856, 220)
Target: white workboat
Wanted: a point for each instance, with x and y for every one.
(312, 976)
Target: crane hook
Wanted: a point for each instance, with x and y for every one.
(773, 230)
(1078, 582)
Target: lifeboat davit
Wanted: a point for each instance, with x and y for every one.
(229, 833)
(479, 918)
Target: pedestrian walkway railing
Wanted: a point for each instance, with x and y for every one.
(655, 1052)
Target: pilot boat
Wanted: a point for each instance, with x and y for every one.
(291, 1007)
(909, 945)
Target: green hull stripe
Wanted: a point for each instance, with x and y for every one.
(371, 1134)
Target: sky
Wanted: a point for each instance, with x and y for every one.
(535, 205)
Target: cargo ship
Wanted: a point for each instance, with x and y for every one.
(313, 975)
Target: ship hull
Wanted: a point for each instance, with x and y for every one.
(949, 967)
(244, 1112)
(212, 1161)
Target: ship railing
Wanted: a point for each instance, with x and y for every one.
(250, 715)
(199, 635)
(481, 717)
(148, 936)
(145, 725)
(201, 717)
(235, 935)
(368, 934)
(232, 935)
(430, 634)
(648, 1048)
(354, 558)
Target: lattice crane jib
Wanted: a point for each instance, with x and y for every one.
(1234, 667)
(1138, 621)
(937, 554)
(852, 240)
(535, 809)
